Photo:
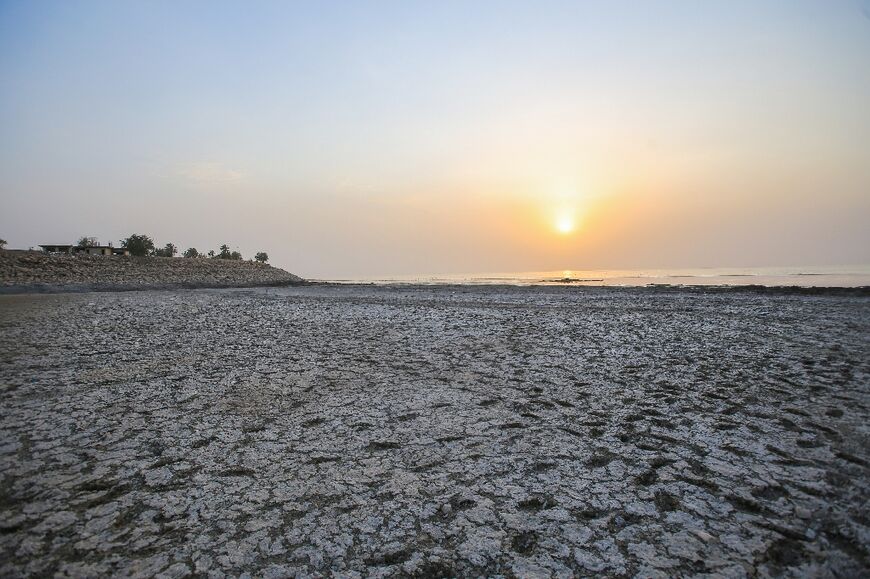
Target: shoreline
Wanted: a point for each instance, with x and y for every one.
(31, 272)
(798, 276)
(650, 288)
(654, 289)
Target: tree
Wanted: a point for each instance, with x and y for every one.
(169, 250)
(140, 245)
(225, 253)
(2, 244)
(191, 252)
(211, 253)
(87, 242)
(261, 257)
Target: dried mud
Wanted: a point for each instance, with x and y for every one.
(434, 431)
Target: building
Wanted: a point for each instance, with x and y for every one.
(57, 248)
(92, 250)
(101, 250)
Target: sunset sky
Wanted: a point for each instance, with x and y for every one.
(367, 138)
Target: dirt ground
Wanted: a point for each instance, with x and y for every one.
(434, 431)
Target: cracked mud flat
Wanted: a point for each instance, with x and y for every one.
(436, 431)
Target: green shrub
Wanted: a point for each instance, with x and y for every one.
(140, 245)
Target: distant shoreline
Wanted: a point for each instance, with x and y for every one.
(845, 276)
(32, 272)
(48, 289)
(649, 288)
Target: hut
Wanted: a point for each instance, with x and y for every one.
(89, 250)
(54, 248)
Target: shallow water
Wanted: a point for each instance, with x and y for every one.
(799, 276)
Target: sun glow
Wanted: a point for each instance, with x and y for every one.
(565, 201)
(565, 223)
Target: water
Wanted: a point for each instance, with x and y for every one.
(838, 276)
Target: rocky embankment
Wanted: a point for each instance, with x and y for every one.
(32, 271)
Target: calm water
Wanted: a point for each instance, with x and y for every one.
(841, 276)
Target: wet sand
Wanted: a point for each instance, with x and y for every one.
(435, 431)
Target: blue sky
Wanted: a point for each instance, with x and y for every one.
(395, 137)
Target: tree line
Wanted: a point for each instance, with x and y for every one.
(143, 245)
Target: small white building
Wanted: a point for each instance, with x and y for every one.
(91, 250)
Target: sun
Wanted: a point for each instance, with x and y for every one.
(564, 224)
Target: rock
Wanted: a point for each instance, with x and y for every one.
(28, 272)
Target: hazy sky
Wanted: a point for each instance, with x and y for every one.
(361, 138)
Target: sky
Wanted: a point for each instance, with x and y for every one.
(352, 139)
